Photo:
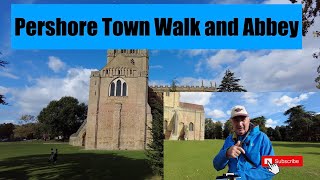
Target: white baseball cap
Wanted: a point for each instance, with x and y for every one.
(238, 111)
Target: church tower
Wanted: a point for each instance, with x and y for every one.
(118, 108)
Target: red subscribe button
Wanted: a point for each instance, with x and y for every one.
(282, 161)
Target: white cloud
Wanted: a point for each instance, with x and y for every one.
(3, 90)
(201, 98)
(229, 112)
(216, 114)
(7, 121)
(284, 70)
(55, 64)
(6, 73)
(291, 102)
(158, 83)
(271, 123)
(190, 81)
(32, 99)
(156, 67)
(250, 98)
(223, 57)
(154, 52)
(196, 52)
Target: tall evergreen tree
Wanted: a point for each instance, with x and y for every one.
(261, 122)
(229, 83)
(154, 151)
(299, 121)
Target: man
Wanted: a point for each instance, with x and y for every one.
(243, 149)
(55, 156)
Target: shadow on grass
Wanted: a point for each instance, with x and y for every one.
(297, 145)
(75, 166)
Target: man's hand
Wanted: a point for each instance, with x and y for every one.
(235, 151)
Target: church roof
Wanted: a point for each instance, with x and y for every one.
(191, 106)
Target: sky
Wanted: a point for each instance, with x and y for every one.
(271, 105)
(35, 77)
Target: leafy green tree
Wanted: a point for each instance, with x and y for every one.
(229, 83)
(227, 130)
(261, 122)
(154, 150)
(29, 128)
(63, 117)
(277, 134)
(315, 128)
(218, 130)
(6, 130)
(299, 122)
(270, 133)
(209, 129)
(284, 132)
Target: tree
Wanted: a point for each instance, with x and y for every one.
(284, 132)
(310, 10)
(218, 130)
(154, 150)
(227, 129)
(2, 98)
(174, 85)
(6, 130)
(318, 70)
(277, 134)
(261, 122)
(209, 129)
(29, 128)
(230, 84)
(299, 122)
(315, 128)
(63, 117)
(270, 133)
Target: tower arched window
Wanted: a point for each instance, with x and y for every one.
(112, 89)
(191, 126)
(118, 87)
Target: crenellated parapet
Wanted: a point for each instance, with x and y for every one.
(167, 88)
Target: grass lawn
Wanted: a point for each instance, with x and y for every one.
(193, 159)
(29, 160)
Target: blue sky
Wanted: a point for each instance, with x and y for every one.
(272, 105)
(35, 77)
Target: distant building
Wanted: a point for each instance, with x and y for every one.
(118, 109)
(182, 121)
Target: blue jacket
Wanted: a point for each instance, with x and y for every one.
(256, 145)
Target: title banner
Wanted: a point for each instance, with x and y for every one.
(155, 26)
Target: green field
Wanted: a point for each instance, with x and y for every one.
(193, 159)
(29, 160)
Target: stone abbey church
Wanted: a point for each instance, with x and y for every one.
(118, 109)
